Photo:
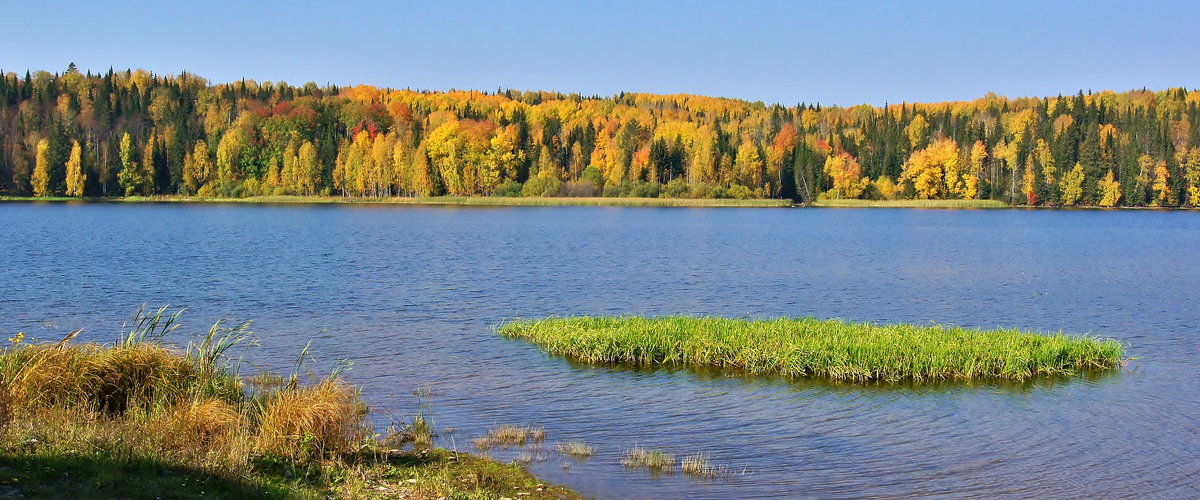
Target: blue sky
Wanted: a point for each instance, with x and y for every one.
(833, 52)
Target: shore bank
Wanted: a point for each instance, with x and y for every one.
(139, 418)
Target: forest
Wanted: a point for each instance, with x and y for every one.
(135, 133)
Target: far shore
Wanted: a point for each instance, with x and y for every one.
(500, 201)
(435, 200)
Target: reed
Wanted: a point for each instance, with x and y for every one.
(656, 460)
(808, 347)
(505, 436)
(576, 449)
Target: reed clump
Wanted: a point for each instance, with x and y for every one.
(505, 436)
(809, 347)
(576, 449)
(656, 460)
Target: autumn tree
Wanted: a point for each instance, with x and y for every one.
(917, 131)
(133, 176)
(76, 177)
(848, 182)
(748, 165)
(197, 168)
(1072, 185)
(1191, 173)
(1110, 190)
(936, 171)
(41, 170)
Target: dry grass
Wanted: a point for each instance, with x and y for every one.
(310, 421)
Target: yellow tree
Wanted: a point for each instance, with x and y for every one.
(932, 169)
(41, 170)
(846, 173)
(502, 159)
(132, 177)
(385, 166)
(918, 131)
(75, 174)
(749, 165)
(424, 180)
(197, 168)
(1163, 195)
(1191, 174)
(1072, 185)
(339, 167)
(229, 150)
(445, 146)
(307, 169)
(702, 168)
(1029, 185)
(1110, 190)
(1049, 169)
(971, 179)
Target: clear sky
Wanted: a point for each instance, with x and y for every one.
(830, 52)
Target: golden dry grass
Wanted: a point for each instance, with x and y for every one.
(309, 421)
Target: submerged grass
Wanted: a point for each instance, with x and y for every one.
(808, 347)
(139, 418)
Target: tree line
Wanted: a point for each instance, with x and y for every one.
(134, 133)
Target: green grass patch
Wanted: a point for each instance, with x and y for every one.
(911, 204)
(808, 347)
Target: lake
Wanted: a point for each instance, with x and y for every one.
(410, 295)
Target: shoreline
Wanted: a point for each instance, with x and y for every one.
(499, 201)
(481, 201)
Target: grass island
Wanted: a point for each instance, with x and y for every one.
(808, 347)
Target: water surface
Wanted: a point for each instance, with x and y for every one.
(410, 295)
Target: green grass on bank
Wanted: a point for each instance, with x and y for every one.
(911, 204)
(442, 200)
(138, 418)
(807, 347)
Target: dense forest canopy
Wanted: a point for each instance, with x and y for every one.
(137, 133)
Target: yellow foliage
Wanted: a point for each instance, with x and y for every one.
(936, 171)
(1072, 185)
(41, 170)
(1191, 173)
(1163, 195)
(75, 174)
(917, 130)
(1110, 190)
(887, 188)
(848, 181)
